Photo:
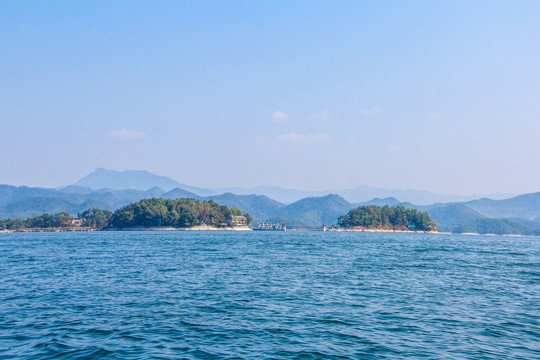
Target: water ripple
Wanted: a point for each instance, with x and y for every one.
(211, 295)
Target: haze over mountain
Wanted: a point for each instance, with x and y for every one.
(358, 194)
(110, 189)
(418, 197)
(525, 206)
(22, 202)
(518, 215)
(449, 216)
(144, 180)
(313, 211)
(134, 179)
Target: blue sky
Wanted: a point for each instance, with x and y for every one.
(440, 96)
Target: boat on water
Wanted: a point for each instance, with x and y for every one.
(271, 227)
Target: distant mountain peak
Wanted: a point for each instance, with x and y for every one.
(102, 178)
(390, 198)
(390, 201)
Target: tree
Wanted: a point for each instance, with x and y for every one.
(96, 218)
(63, 219)
(248, 217)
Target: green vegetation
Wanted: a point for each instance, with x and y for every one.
(180, 213)
(448, 216)
(93, 218)
(259, 206)
(499, 227)
(96, 218)
(312, 212)
(43, 221)
(395, 218)
(30, 206)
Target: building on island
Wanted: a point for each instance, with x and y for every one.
(76, 222)
(239, 220)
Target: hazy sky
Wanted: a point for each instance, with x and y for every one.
(433, 95)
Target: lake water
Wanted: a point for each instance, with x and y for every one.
(270, 295)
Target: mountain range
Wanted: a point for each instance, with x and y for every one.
(134, 179)
(358, 194)
(519, 214)
(143, 180)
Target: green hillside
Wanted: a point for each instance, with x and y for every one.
(260, 207)
(31, 206)
(499, 227)
(448, 216)
(313, 211)
(180, 213)
(525, 206)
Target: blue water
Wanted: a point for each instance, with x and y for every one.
(293, 295)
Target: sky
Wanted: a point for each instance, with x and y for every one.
(438, 96)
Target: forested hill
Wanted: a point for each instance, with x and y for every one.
(525, 206)
(500, 227)
(179, 213)
(312, 212)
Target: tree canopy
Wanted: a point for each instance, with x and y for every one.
(96, 218)
(376, 217)
(62, 219)
(179, 213)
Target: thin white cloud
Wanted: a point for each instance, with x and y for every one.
(436, 116)
(127, 134)
(372, 111)
(320, 115)
(279, 116)
(302, 139)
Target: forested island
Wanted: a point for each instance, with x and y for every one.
(398, 218)
(178, 213)
(146, 213)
